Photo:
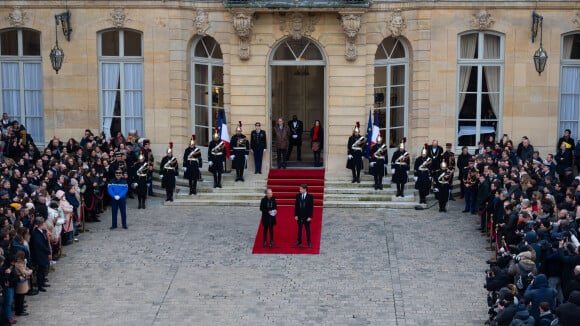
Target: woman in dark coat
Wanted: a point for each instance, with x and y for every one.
(564, 159)
(317, 142)
(268, 208)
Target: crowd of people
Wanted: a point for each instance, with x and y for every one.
(47, 195)
(529, 206)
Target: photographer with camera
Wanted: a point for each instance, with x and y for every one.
(539, 291)
(503, 312)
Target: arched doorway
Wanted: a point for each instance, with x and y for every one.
(298, 87)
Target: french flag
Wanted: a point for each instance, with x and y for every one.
(376, 131)
(224, 135)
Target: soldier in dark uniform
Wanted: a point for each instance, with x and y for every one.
(296, 129)
(151, 160)
(355, 146)
(470, 188)
(140, 179)
(169, 171)
(443, 186)
(258, 144)
(380, 152)
(239, 154)
(422, 175)
(400, 162)
(192, 163)
(216, 152)
(449, 159)
(435, 152)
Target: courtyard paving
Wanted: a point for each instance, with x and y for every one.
(193, 266)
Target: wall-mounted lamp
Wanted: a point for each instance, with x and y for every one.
(64, 20)
(56, 54)
(540, 56)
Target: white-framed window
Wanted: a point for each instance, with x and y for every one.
(570, 85)
(391, 89)
(480, 71)
(21, 80)
(121, 81)
(207, 87)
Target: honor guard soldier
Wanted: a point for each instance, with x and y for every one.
(449, 158)
(435, 152)
(239, 154)
(380, 153)
(216, 152)
(140, 180)
(151, 160)
(169, 171)
(258, 144)
(469, 187)
(355, 146)
(422, 175)
(443, 186)
(192, 163)
(400, 165)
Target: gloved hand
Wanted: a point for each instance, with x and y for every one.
(246, 157)
(294, 136)
(372, 164)
(117, 197)
(415, 179)
(232, 157)
(184, 169)
(210, 163)
(349, 156)
(161, 176)
(392, 171)
(264, 150)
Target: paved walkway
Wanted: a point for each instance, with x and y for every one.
(193, 266)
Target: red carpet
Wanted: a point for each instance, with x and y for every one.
(285, 184)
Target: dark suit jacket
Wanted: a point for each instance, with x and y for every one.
(39, 248)
(303, 208)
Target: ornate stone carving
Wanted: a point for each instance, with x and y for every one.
(17, 17)
(351, 27)
(576, 20)
(298, 24)
(201, 22)
(118, 18)
(482, 20)
(243, 24)
(397, 23)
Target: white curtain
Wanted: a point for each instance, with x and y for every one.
(33, 101)
(567, 46)
(570, 99)
(110, 82)
(11, 90)
(133, 98)
(491, 49)
(468, 44)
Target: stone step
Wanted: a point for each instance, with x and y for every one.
(215, 202)
(368, 197)
(360, 191)
(374, 204)
(219, 196)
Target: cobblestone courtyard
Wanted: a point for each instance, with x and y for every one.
(193, 266)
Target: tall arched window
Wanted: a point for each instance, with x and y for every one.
(21, 80)
(207, 87)
(480, 67)
(391, 89)
(121, 81)
(570, 85)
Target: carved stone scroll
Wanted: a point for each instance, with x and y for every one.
(243, 24)
(351, 26)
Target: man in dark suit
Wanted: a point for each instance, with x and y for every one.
(40, 251)
(258, 144)
(296, 130)
(303, 209)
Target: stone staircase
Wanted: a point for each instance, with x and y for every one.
(337, 193)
